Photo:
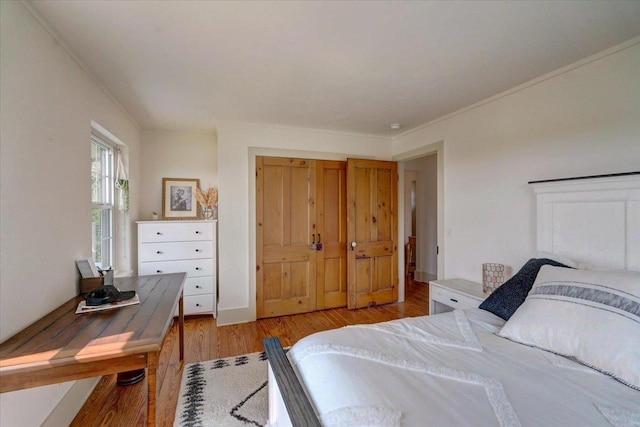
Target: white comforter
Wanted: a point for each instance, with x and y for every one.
(451, 370)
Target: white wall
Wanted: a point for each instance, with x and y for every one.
(582, 120)
(47, 103)
(175, 155)
(238, 144)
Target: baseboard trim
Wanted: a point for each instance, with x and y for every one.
(233, 316)
(423, 276)
(64, 413)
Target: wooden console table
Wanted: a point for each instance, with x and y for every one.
(64, 346)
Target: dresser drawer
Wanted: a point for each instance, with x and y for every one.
(175, 251)
(193, 268)
(178, 231)
(198, 304)
(452, 298)
(198, 285)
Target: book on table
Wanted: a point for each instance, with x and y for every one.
(84, 308)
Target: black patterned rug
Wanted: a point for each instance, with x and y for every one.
(224, 392)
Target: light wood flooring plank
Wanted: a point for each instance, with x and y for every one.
(113, 405)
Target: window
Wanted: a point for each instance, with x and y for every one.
(102, 198)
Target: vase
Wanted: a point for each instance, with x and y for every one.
(207, 213)
(492, 277)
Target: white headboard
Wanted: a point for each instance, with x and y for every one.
(593, 221)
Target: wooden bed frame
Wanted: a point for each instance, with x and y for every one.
(288, 402)
(593, 220)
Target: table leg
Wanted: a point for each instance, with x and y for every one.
(152, 391)
(181, 326)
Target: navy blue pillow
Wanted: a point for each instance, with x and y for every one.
(505, 300)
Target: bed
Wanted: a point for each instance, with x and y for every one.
(559, 345)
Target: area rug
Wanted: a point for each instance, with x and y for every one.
(224, 392)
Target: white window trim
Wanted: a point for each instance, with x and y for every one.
(120, 241)
(101, 140)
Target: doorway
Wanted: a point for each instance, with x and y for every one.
(421, 215)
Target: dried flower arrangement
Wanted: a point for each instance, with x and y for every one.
(209, 198)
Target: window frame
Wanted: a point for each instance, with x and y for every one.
(106, 204)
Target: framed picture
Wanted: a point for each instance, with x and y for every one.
(179, 198)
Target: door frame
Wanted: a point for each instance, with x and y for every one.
(252, 152)
(436, 148)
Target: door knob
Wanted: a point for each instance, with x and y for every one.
(353, 245)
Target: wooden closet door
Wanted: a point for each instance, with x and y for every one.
(331, 205)
(285, 219)
(372, 229)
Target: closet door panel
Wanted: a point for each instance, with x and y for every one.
(372, 232)
(272, 282)
(332, 273)
(272, 220)
(382, 209)
(299, 212)
(332, 231)
(285, 225)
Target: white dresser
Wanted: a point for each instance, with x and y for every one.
(182, 246)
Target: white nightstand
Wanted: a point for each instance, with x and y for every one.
(447, 295)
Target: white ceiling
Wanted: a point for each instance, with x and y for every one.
(353, 66)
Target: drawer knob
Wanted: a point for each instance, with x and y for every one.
(159, 233)
(158, 252)
(197, 305)
(158, 271)
(197, 250)
(197, 286)
(197, 268)
(197, 232)
(454, 300)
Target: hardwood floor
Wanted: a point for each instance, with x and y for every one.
(113, 405)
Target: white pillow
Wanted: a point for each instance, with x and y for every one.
(592, 316)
